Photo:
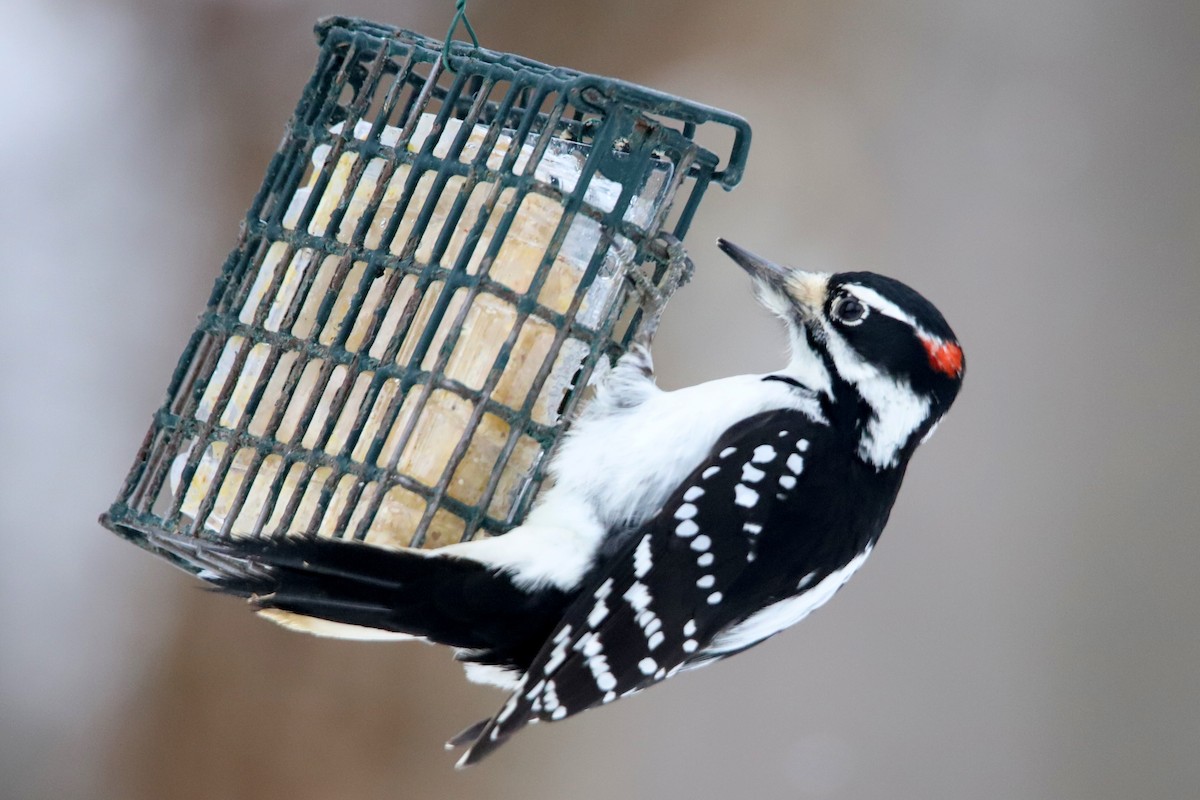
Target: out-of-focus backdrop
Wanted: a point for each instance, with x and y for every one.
(1029, 626)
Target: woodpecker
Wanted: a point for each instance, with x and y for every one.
(678, 528)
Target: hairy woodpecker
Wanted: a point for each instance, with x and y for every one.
(678, 528)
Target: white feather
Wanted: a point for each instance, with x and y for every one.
(625, 465)
(898, 410)
(492, 675)
(618, 467)
(554, 549)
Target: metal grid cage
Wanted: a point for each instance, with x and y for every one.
(435, 264)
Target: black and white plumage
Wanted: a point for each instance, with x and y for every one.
(680, 527)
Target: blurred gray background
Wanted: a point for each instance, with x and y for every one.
(1029, 626)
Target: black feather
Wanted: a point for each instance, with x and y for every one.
(766, 526)
(448, 600)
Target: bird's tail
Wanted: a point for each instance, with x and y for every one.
(354, 590)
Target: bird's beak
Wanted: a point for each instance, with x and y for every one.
(805, 289)
(759, 268)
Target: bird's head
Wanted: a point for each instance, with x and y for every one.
(867, 339)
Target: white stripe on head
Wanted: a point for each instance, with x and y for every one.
(898, 410)
(881, 304)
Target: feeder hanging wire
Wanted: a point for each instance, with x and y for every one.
(460, 15)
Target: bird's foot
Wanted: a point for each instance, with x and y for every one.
(627, 383)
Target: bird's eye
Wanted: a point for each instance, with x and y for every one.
(849, 310)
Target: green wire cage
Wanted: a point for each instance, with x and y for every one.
(441, 254)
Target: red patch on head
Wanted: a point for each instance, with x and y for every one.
(945, 357)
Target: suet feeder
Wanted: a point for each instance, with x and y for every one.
(441, 254)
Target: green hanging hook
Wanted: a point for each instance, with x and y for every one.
(460, 15)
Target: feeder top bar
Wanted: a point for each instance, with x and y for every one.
(338, 30)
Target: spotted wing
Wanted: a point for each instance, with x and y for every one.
(657, 602)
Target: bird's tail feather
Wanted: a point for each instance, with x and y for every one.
(447, 599)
